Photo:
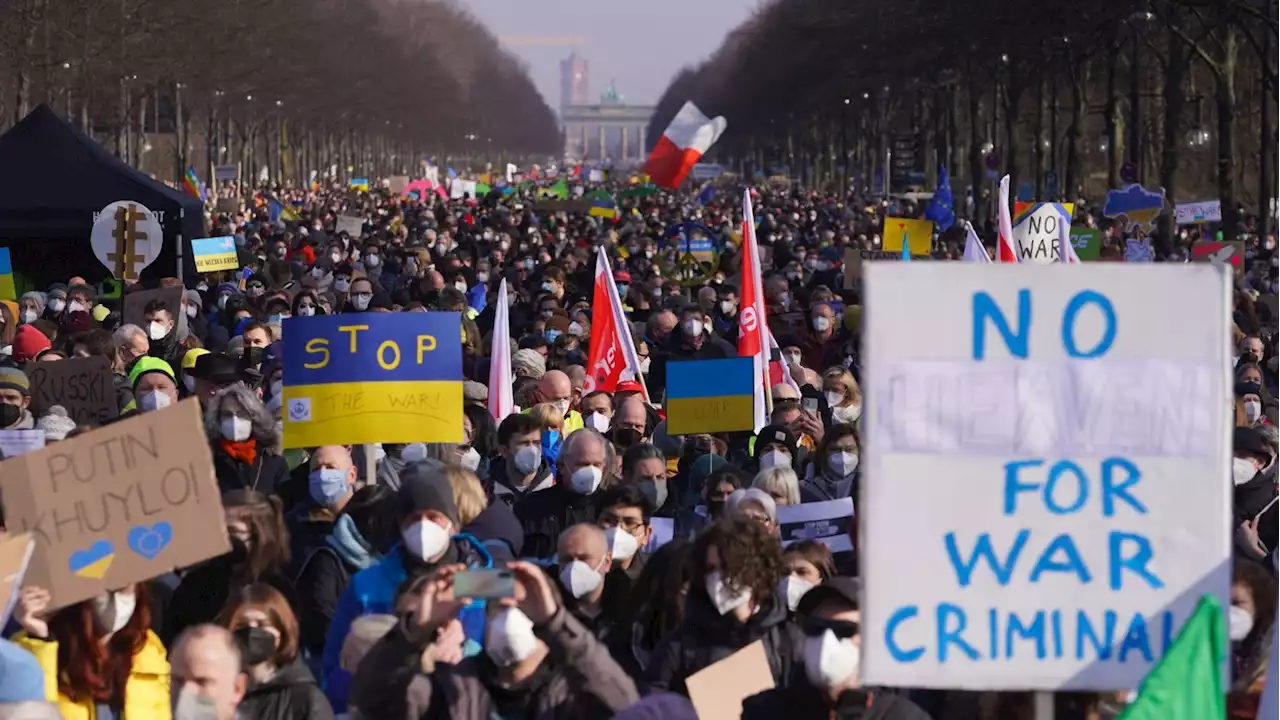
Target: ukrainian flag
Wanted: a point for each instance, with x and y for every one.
(360, 184)
(709, 396)
(8, 289)
(602, 205)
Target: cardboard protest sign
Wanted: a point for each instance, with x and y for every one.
(826, 521)
(225, 173)
(1067, 460)
(216, 253)
(15, 558)
(1037, 229)
(397, 183)
(917, 234)
(135, 304)
(709, 396)
(227, 206)
(19, 442)
(349, 224)
(118, 505)
(1134, 208)
(1220, 253)
(83, 386)
(372, 377)
(1087, 242)
(855, 259)
(717, 691)
(1195, 213)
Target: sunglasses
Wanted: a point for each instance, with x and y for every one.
(842, 629)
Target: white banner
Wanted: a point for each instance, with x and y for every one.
(1046, 490)
(1192, 213)
(826, 521)
(1036, 234)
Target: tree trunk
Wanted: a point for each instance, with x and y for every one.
(1110, 116)
(1225, 97)
(1037, 154)
(1175, 100)
(1266, 148)
(977, 171)
(1013, 90)
(1079, 77)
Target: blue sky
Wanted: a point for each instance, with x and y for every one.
(639, 43)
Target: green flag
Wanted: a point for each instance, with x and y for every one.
(559, 191)
(1187, 682)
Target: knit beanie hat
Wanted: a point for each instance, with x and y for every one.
(14, 379)
(424, 486)
(28, 343)
(148, 364)
(528, 363)
(55, 424)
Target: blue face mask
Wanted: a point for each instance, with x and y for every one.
(551, 335)
(240, 325)
(328, 485)
(622, 289)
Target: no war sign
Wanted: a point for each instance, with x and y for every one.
(1068, 458)
(372, 377)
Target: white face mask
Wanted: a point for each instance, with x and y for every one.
(1242, 470)
(597, 421)
(425, 540)
(821, 323)
(413, 452)
(692, 327)
(843, 463)
(157, 330)
(793, 588)
(622, 544)
(222, 301)
(112, 611)
(509, 637)
(580, 579)
(774, 458)
(372, 260)
(482, 277)
(342, 284)
(1239, 623)
(29, 316)
(726, 306)
(527, 459)
(460, 286)
(562, 407)
(792, 358)
(586, 479)
(153, 400)
(833, 398)
(830, 661)
(470, 459)
(306, 310)
(202, 287)
(722, 597)
(848, 414)
(236, 428)
(1252, 411)
(360, 301)
(57, 304)
(76, 306)
(191, 311)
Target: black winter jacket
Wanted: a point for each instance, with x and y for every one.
(290, 694)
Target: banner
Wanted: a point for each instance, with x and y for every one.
(225, 173)
(1036, 230)
(19, 442)
(917, 234)
(1194, 213)
(827, 521)
(710, 396)
(350, 225)
(213, 254)
(118, 505)
(1064, 461)
(1087, 242)
(83, 386)
(372, 378)
(1220, 253)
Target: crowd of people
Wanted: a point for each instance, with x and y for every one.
(340, 594)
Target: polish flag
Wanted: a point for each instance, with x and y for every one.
(1066, 250)
(689, 136)
(501, 378)
(974, 250)
(1006, 251)
(779, 371)
(612, 358)
(754, 339)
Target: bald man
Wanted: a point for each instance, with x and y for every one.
(555, 387)
(204, 674)
(783, 391)
(577, 381)
(631, 415)
(583, 563)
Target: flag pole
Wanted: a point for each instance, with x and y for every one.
(1044, 709)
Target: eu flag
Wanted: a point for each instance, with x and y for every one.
(941, 210)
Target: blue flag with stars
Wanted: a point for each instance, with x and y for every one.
(941, 210)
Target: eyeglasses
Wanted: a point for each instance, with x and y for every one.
(630, 524)
(842, 629)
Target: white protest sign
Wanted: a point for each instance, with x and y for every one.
(1192, 213)
(458, 188)
(126, 238)
(19, 442)
(826, 521)
(1045, 489)
(1036, 231)
(350, 224)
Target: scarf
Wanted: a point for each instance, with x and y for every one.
(245, 452)
(346, 541)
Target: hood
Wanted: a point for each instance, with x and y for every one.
(712, 628)
(542, 480)
(498, 522)
(295, 673)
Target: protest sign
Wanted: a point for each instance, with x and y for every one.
(18, 442)
(1194, 213)
(717, 691)
(8, 288)
(350, 225)
(1036, 230)
(1087, 242)
(372, 377)
(397, 183)
(1137, 249)
(126, 237)
(1062, 461)
(1220, 253)
(135, 304)
(83, 386)
(661, 532)
(216, 253)
(709, 396)
(1134, 208)
(918, 234)
(225, 173)
(855, 259)
(228, 206)
(118, 505)
(826, 521)
(15, 558)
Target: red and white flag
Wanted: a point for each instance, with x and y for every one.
(501, 379)
(1006, 250)
(689, 136)
(779, 371)
(752, 322)
(612, 358)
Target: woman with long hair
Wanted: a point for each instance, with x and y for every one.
(99, 656)
(280, 685)
(242, 434)
(259, 554)
(657, 606)
(844, 397)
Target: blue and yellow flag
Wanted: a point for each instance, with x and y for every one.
(601, 205)
(361, 183)
(215, 253)
(8, 289)
(941, 210)
(709, 396)
(917, 235)
(372, 377)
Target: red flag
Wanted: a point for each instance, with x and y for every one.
(612, 357)
(752, 321)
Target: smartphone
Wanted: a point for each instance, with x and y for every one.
(482, 583)
(810, 404)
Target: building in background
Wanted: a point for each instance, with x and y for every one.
(574, 83)
(609, 133)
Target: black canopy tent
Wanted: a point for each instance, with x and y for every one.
(53, 178)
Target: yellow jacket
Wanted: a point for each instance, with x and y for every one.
(146, 693)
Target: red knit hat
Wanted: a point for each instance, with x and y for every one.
(28, 343)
